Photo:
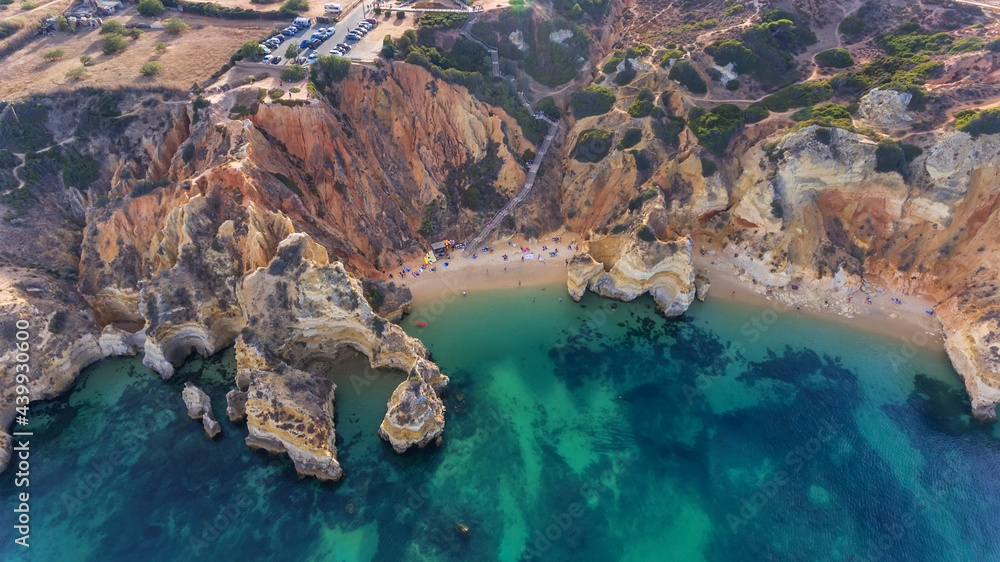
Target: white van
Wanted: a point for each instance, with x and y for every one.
(332, 8)
(302, 22)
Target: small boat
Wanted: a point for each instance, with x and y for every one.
(422, 324)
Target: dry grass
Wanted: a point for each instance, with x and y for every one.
(191, 57)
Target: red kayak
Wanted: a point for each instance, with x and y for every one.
(422, 324)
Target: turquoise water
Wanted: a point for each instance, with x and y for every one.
(575, 432)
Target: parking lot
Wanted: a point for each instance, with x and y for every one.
(364, 49)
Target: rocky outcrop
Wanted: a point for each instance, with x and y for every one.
(415, 413)
(291, 412)
(236, 405)
(582, 269)
(199, 406)
(701, 285)
(305, 312)
(885, 109)
(663, 269)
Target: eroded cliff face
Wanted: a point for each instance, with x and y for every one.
(191, 202)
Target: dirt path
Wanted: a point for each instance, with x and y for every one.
(24, 160)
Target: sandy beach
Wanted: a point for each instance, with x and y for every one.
(907, 321)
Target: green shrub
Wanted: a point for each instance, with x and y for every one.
(79, 171)
(889, 157)
(734, 10)
(835, 58)
(755, 113)
(612, 63)
(630, 138)
(978, 122)
(547, 105)
(188, 152)
(112, 26)
(687, 75)
(733, 85)
(247, 50)
(400, 15)
(114, 43)
(851, 26)
(993, 46)
(276, 93)
(176, 25)
(626, 74)
(150, 68)
(292, 51)
(53, 55)
(636, 202)
(86, 60)
(592, 100)
(798, 95)
(715, 128)
(150, 8)
(592, 145)
(708, 167)
(911, 151)
(161, 47)
(910, 40)
(144, 187)
(671, 54)
(731, 51)
(643, 104)
(829, 115)
(668, 132)
(332, 68)
(295, 6)
(966, 45)
(646, 234)
(29, 4)
(431, 20)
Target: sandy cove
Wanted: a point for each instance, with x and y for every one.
(907, 321)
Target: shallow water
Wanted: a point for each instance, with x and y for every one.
(574, 433)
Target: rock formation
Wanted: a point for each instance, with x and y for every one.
(885, 109)
(626, 268)
(199, 406)
(415, 414)
(236, 405)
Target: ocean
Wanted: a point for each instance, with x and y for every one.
(575, 431)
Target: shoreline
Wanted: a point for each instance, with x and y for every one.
(904, 322)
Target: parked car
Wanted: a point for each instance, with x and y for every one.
(360, 31)
(289, 31)
(315, 43)
(276, 59)
(344, 46)
(265, 50)
(332, 8)
(366, 25)
(372, 21)
(352, 37)
(266, 60)
(330, 32)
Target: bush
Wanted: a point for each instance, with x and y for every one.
(592, 145)
(150, 8)
(733, 85)
(176, 25)
(636, 202)
(187, 153)
(86, 60)
(333, 68)
(150, 68)
(708, 167)
(911, 151)
(646, 234)
(295, 6)
(112, 26)
(851, 26)
(672, 54)
(732, 51)
(984, 122)
(292, 51)
(53, 55)
(835, 58)
(715, 128)
(293, 73)
(114, 43)
(161, 47)
(643, 104)
(29, 4)
(276, 93)
(248, 49)
(829, 115)
(612, 63)
(889, 157)
(547, 105)
(592, 100)
(630, 138)
(687, 75)
(626, 74)
(798, 95)
(76, 73)
(62, 24)
(993, 46)
(755, 113)
(400, 15)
